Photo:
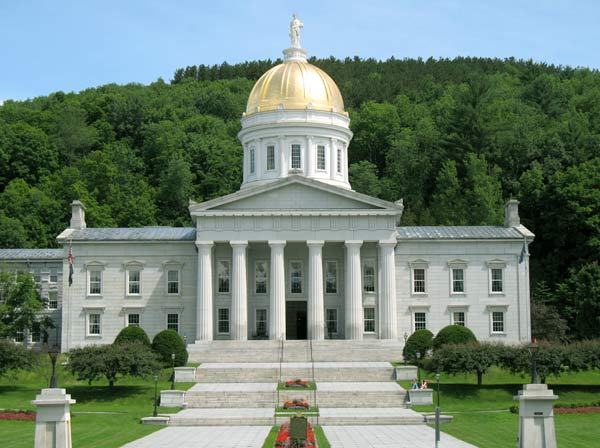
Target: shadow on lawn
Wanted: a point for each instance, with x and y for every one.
(85, 394)
(465, 391)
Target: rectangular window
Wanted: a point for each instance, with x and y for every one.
(52, 300)
(36, 333)
(497, 285)
(418, 280)
(339, 160)
(173, 282)
(19, 336)
(369, 275)
(332, 321)
(261, 322)
(296, 157)
(331, 277)
(95, 283)
(420, 321)
(458, 280)
(133, 320)
(320, 157)
(223, 276)
(94, 324)
(270, 158)
(369, 320)
(458, 318)
(36, 276)
(260, 277)
(173, 322)
(53, 275)
(223, 320)
(296, 277)
(252, 161)
(497, 322)
(133, 282)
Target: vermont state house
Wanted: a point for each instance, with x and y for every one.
(294, 254)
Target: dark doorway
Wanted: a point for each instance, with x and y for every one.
(295, 320)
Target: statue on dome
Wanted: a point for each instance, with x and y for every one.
(295, 27)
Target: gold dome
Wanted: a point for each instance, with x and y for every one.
(295, 85)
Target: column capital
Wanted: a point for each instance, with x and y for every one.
(353, 243)
(315, 243)
(388, 243)
(239, 243)
(277, 243)
(204, 244)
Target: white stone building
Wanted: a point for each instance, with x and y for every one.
(296, 253)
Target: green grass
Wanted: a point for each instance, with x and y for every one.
(322, 441)
(311, 386)
(102, 417)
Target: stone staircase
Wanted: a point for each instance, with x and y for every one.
(237, 383)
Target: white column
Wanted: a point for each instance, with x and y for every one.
(239, 292)
(353, 304)
(333, 159)
(388, 317)
(277, 291)
(316, 313)
(283, 157)
(204, 294)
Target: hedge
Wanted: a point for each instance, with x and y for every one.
(167, 342)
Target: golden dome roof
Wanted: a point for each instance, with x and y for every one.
(295, 85)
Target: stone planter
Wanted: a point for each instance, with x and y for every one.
(172, 398)
(406, 372)
(420, 396)
(185, 374)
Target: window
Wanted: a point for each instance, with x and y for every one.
(497, 284)
(133, 320)
(420, 321)
(331, 277)
(339, 160)
(497, 321)
(320, 157)
(95, 283)
(332, 321)
(36, 333)
(53, 275)
(223, 276)
(52, 300)
(270, 157)
(260, 277)
(368, 275)
(369, 320)
(261, 322)
(36, 276)
(458, 280)
(173, 281)
(296, 277)
(133, 281)
(94, 324)
(252, 161)
(19, 336)
(296, 157)
(173, 322)
(419, 281)
(223, 320)
(458, 318)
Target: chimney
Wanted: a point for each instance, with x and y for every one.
(77, 216)
(511, 214)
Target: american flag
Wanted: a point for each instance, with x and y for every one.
(70, 258)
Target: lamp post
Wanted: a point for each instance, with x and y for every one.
(185, 340)
(53, 354)
(405, 339)
(437, 410)
(154, 414)
(533, 349)
(173, 375)
(418, 367)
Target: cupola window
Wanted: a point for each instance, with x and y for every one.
(321, 157)
(270, 158)
(339, 160)
(296, 157)
(252, 161)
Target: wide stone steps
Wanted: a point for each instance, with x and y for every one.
(369, 416)
(360, 395)
(224, 417)
(232, 395)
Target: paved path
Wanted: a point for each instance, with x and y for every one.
(404, 436)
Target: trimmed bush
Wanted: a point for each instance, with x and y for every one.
(420, 341)
(167, 342)
(132, 334)
(453, 334)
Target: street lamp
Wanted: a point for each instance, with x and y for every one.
(53, 354)
(173, 376)
(154, 414)
(418, 367)
(437, 410)
(533, 349)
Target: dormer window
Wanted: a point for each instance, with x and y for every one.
(296, 157)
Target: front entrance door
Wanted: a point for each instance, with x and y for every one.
(295, 320)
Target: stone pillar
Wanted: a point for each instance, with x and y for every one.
(204, 301)
(53, 419)
(388, 317)
(277, 291)
(239, 292)
(536, 417)
(353, 303)
(316, 312)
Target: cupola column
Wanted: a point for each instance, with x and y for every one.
(239, 292)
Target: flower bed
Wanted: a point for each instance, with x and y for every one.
(297, 383)
(296, 404)
(27, 416)
(283, 437)
(578, 410)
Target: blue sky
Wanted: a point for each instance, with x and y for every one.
(69, 45)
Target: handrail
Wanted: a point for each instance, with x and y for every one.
(312, 361)
(279, 381)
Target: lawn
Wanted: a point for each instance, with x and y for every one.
(101, 417)
(481, 414)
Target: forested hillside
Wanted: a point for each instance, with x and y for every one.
(454, 138)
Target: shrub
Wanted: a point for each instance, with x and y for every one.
(420, 341)
(453, 334)
(466, 358)
(13, 357)
(132, 334)
(167, 342)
